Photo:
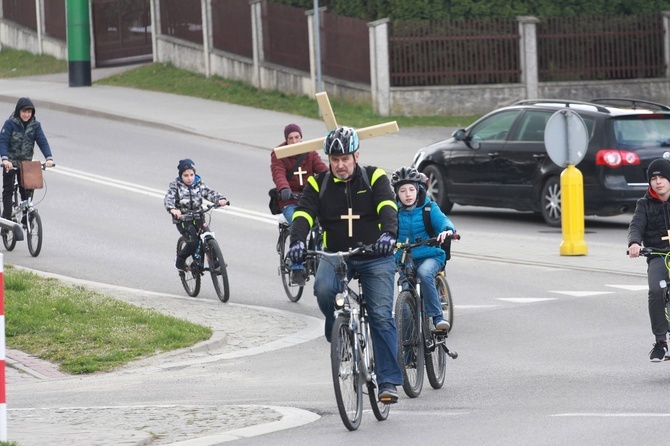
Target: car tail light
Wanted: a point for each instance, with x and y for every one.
(616, 158)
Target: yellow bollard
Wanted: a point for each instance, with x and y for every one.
(572, 212)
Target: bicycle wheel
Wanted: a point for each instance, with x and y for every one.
(346, 379)
(217, 268)
(293, 291)
(380, 409)
(436, 365)
(410, 343)
(445, 298)
(189, 279)
(8, 239)
(34, 233)
(667, 306)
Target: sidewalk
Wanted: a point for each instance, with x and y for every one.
(261, 129)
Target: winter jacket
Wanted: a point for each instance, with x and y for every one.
(372, 202)
(17, 139)
(189, 198)
(312, 165)
(650, 222)
(411, 227)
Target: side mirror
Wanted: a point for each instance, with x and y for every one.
(459, 135)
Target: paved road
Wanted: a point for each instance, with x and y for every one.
(235, 326)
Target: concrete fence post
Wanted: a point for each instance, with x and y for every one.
(666, 41)
(314, 50)
(380, 71)
(39, 12)
(257, 40)
(207, 39)
(155, 27)
(528, 54)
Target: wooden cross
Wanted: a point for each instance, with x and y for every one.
(351, 219)
(300, 173)
(666, 237)
(331, 124)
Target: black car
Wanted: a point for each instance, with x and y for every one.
(501, 160)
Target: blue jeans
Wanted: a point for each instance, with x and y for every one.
(426, 271)
(377, 279)
(288, 211)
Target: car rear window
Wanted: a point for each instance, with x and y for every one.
(642, 131)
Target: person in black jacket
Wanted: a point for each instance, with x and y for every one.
(650, 227)
(355, 204)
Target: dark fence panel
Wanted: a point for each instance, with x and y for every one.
(600, 48)
(345, 48)
(54, 23)
(122, 30)
(22, 12)
(182, 19)
(454, 52)
(285, 36)
(231, 26)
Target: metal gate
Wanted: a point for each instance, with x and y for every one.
(122, 31)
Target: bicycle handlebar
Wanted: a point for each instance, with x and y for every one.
(191, 214)
(646, 252)
(341, 254)
(428, 242)
(43, 165)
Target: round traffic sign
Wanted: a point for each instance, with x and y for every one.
(566, 138)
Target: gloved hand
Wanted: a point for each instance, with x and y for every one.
(385, 244)
(285, 194)
(297, 253)
(442, 236)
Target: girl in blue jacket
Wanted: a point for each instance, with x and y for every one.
(410, 191)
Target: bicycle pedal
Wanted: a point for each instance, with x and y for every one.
(388, 399)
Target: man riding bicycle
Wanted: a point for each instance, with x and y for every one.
(354, 204)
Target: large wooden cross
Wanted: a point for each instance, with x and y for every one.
(331, 124)
(667, 237)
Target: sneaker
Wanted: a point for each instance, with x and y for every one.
(298, 277)
(659, 352)
(441, 324)
(388, 394)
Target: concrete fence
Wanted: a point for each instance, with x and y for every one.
(386, 100)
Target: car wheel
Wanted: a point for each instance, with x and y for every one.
(550, 202)
(437, 188)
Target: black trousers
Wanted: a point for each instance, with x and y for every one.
(189, 230)
(8, 190)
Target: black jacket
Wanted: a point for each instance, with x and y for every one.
(650, 222)
(373, 203)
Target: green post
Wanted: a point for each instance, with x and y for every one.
(78, 43)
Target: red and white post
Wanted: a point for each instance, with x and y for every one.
(3, 393)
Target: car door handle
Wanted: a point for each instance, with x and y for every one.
(494, 154)
(539, 156)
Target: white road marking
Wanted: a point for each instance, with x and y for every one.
(630, 287)
(148, 191)
(525, 300)
(612, 415)
(582, 293)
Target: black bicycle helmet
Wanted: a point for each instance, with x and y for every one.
(341, 141)
(406, 175)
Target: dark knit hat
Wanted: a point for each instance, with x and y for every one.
(184, 165)
(290, 129)
(658, 167)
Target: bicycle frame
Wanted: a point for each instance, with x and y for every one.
(665, 283)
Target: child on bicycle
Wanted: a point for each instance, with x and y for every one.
(186, 193)
(17, 143)
(649, 227)
(410, 189)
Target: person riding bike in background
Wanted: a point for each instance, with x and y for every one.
(409, 186)
(17, 143)
(354, 205)
(290, 177)
(186, 193)
(287, 181)
(649, 225)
